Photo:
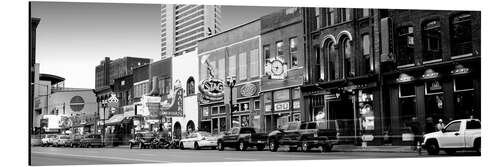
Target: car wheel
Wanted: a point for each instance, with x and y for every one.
(477, 146)
(273, 146)
(181, 146)
(305, 147)
(433, 148)
(242, 146)
(196, 146)
(220, 146)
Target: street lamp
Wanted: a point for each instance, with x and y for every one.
(231, 82)
(104, 104)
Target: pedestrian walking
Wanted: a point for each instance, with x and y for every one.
(417, 132)
(440, 125)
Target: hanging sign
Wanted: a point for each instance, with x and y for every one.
(248, 90)
(212, 89)
(175, 108)
(276, 68)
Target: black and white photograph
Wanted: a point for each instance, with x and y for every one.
(173, 82)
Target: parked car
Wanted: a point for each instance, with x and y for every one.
(75, 140)
(241, 138)
(142, 139)
(48, 139)
(199, 140)
(91, 140)
(321, 134)
(463, 134)
(62, 140)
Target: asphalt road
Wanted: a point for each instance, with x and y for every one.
(120, 155)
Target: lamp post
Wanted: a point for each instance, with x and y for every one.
(104, 104)
(231, 82)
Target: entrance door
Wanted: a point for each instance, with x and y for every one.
(343, 112)
(177, 130)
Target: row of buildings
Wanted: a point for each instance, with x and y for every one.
(370, 70)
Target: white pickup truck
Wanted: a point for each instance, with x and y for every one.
(463, 134)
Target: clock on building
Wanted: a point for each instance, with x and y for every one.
(276, 68)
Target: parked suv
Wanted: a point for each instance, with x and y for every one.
(142, 139)
(241, 138)
(463, 134)
(322, 134)
(91, 140)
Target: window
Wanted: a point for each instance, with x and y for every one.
(461, 34)
(245, 106)
(331, 16)
(344, 14)
(221, 69)
(190, 87)
(319, 69)
(318, 20)
(279, 48)
(256, 105)
(222, 109)
(222, 123)
(215, 110)
(245, 122)
(407, 110)
(473, 124)
(406, 90)
(254, 63)
(463, 84)
(235, 122)
(431, 35)
(367, 59)
(266, 52)
(406, 45)
(281, 95)
(346, 53)
(232, 65)
(453, 127)
(333, 61)
(243, 66)
(366, 12)
(293, 53)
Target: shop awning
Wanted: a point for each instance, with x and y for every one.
(114, 120)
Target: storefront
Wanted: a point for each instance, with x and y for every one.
(216, 116)
(447, 92)
(351, 106)
(280, 107)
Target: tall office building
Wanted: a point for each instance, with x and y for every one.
(189, 24)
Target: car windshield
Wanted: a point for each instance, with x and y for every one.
(205, 134)
(64, 137)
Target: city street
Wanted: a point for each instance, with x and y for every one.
(122, 155)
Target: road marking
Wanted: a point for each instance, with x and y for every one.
(241, 159)
(102, 157)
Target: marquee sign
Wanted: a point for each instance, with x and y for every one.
(460, 69)
(212, 89)
(430, 74)
(276, 68)
(248, 90)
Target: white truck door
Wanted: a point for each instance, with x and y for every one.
(452, 136)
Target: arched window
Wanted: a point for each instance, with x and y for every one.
(190, 86)
(333, 70)
(431, 35)
(346, 51)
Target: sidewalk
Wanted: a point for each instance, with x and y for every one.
(353, 148)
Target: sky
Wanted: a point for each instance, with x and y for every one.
(72, 38)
